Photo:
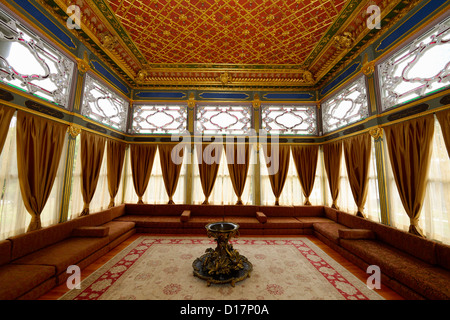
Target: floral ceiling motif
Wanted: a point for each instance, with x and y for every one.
(233, 43)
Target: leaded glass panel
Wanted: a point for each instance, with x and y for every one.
(159, 119)
(103, 105)
(223, 119)
(29, 63)
(420, 68)
(347, 106)
(289, 119)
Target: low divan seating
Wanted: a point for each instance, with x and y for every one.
(33, 263)
(415, 267)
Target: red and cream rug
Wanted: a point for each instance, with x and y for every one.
(160, 268)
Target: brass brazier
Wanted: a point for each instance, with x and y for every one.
(222, 264)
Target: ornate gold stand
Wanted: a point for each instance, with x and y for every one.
(223, 264)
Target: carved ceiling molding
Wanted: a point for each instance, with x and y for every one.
(106, 26)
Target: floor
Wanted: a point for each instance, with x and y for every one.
(385, 292)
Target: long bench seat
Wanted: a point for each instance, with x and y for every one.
(363, 242)
(33, 263)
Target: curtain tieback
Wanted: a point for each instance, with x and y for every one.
(307, 203)
(334, 206)
(111, 203)
(85, 211)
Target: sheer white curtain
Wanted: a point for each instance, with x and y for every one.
(223, 192)
(346, 202)
(14, 218)
(435, 214)
(435, 217)
(76, 199)
(51, 213)
(100, 200)
(156, 192)
(372, 208)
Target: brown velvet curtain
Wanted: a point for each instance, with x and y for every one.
(208, 156)
(238, 156)
(409, 144)
(92, 149)
(142, 157)
(39, 147)
(6, 114)
(115, 154)
(171, 166)
(277, 163)
(332, 153)
(357, 160)
(305, 159)
(444, 121)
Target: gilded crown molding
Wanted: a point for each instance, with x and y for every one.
(109, 31)
(361, 45)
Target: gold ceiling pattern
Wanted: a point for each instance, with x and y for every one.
(241, 44)
(226, 32)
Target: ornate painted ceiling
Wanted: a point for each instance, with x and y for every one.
(242, 44)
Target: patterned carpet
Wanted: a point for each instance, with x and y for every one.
(160, 268)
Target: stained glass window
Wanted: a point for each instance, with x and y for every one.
(30, 64)
(223, 119)
(420, 68)
(347, 106)
(159, 118)
(289, 119)
(103, 105)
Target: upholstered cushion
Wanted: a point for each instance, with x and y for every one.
(330, 213)
(136, 209)
(117, 211)
(29, 242)
(200, 221)
(152, 221)
(443, 255)
(243, 211)
(261, 217)
(169, 209)
(356, 234)
(95, 232)
(209, 210)
(309, 221)
(94, 219)
(185, 215)
(352, 221)
(417, 246)
(5, 252)
(118, 228)
(330, 230)
(414, 273)
(277, 211)
(16, 280)
(282, 223)
(244, 222)
(308, 211)
(64, 253)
